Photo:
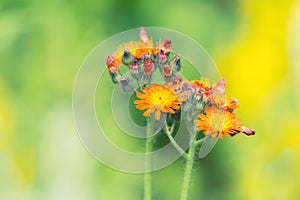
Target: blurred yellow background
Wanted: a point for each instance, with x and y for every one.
(255, 44)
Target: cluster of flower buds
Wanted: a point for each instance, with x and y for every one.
(197, 95)
(142, 59)
(196, 99)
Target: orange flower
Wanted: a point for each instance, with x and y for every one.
(218, 123)
(137, 49)
(231, 103)
(157, 98)
(203, 83)
(204, 87)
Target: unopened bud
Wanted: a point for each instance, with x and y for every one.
(111, 64)
(247, 131)
(167, 70)
(168, 75)
(148, 67)
(143, 35)
(177, 83)
(110, 60)
(178, 80)
(190, 90)
(162, 57)
(127, 57)
(167, 45)
(134, 67)
(115, 77)
(135, 71)
(177, 61)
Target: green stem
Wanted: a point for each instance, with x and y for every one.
(197, 142)
(173, 142)
(147, 175)
(188, 172)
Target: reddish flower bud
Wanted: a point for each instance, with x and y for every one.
(177, 80)
(167, 70)
(167, 44)
(148, 67)
(189, 88)
(143, 35)
(134, 67)
(110, 60)
(135, 71)
(162, 57)
(111, 64)
(247, 131)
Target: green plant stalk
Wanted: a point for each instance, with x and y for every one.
(188, 172)
(147, 175)
(173, 142)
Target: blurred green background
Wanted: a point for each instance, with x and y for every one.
(42, 45)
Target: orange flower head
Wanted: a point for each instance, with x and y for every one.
(137, 48)
(204, 87)
(231, 104)
(158, 98)
(218, 123)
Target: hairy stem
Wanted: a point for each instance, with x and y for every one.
(173, 142)
(188, 172)
(147, 175)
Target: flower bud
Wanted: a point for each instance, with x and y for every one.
(134, 67)
(178, 80)
(126, 85)
(127, 58)
(135, 71)
(111, 64)
(167, 45)
(167, 70)
(162, 57)
(190, 90)
(198, 94)
(143, 35)
(247, 131)
(148, 67)
(168, 74)
(177, 63)
(113, 77)
(177, 83)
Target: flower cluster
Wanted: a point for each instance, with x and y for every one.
(142, 58)
(206, 105)
(217, 117)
